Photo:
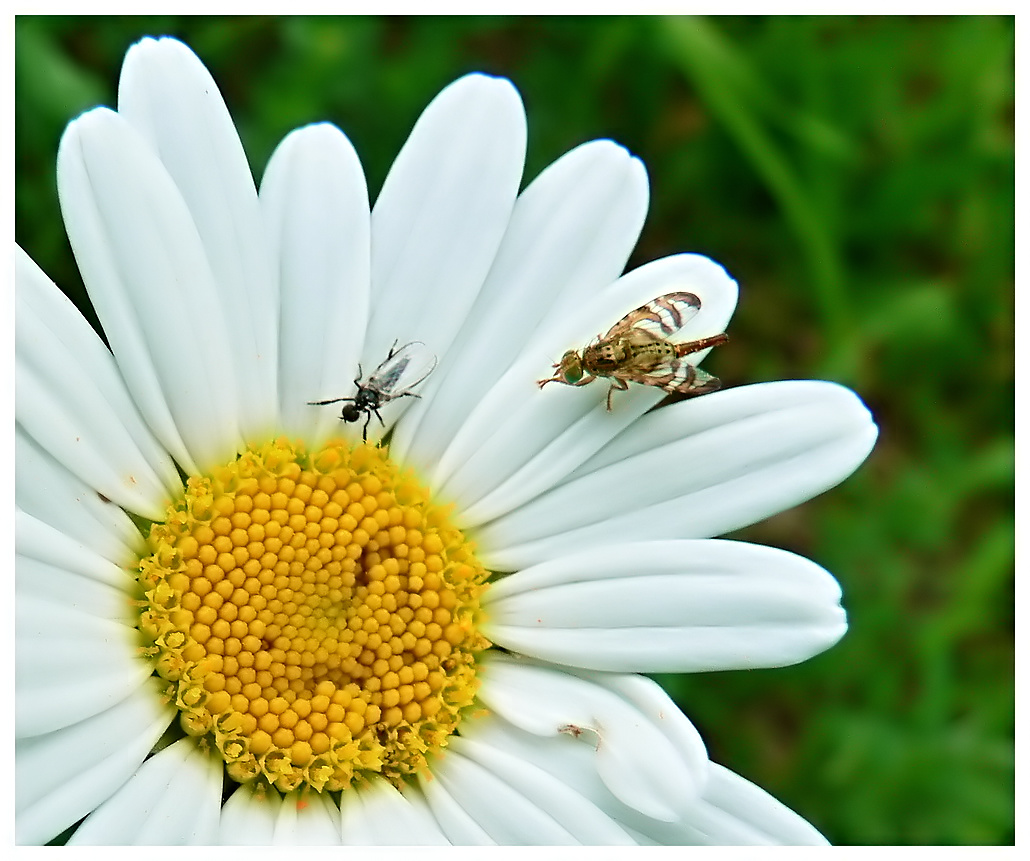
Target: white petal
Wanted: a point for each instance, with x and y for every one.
(255, 815)
(570, 235)
(315, 203)
(377, 814)
(249, 815)
(149, 279)
(730, 811)
(48, 492)
(63, 775)
(669, 606)
(76, 590)
(460, 828)
(173, 799)
(525, 804)
(647, 752)
(70, 665)
(439, 219)
(172, 101)
(40, 541)
(563, 755)
(520, 440)
(504, 816)
(693, 470)
(734, 810)
(307, 819)
(71, 399)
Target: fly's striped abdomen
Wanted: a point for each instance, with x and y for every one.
(701, 344)
(646, 356)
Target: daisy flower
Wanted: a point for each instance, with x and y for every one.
(239, 622)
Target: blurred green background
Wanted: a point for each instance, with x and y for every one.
(856, 175)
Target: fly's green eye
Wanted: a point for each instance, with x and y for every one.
(571, 367)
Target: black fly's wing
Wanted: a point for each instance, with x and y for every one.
(401, 371)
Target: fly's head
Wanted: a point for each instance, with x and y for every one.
(570, 368)
(350, 413)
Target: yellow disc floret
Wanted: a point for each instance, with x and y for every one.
(316, 615)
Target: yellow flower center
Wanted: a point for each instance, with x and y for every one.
(316, 615)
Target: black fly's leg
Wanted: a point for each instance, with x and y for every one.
(323, 403)
(393, 350)
(357, 383)
(364, 430)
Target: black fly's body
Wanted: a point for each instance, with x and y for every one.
(394, 378)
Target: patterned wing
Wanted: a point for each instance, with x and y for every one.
(660, 318)
(674, 374)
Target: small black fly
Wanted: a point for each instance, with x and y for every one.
(395, 377)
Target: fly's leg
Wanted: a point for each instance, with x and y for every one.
(555, 379)
(364, 430)
(357, 385)
(558, 378)
(323, 403)
(619, 384)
